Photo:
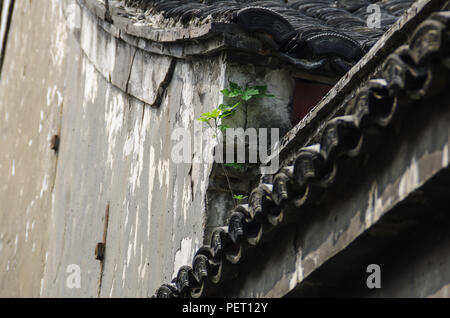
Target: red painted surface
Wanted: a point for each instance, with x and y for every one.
(307, 95)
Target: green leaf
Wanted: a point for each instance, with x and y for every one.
(223, 127)
(249, 93)
(246, 97)
(231, 94)
(262, 89)
(223, 107)
(233, 91)
(226, 114)
(227, 110)
(226, 92)
(252, 91)
(240, 197)
(215, 113)
(228, 107)
(234, 86)
(206, 115)
(233, 165)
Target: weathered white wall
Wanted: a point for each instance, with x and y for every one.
(31, 99)
(114, 148)
(114, 106)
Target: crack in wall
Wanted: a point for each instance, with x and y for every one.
(162, 88)
(102, 261)
(6, 12)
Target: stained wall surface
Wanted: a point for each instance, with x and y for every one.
(114, 107)
(114, 147)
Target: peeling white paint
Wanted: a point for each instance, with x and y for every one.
(187, 198)
(376, 206)
(42, 286)
(73, 16)
(114, 116)
(297, 275)
(151, 181)
(135, 145)
(58, 46)
(314, 256)
(130, 246)
(112, 288)
(27, 227)
(175, 202)
(184, 255)
(16, 243)
(369, 215)
(123, 276)
(13, 168)
(50, 94)
(136, 226)
(140, 268)
(91, 84)
(164, 176)
(409, 180)
(197, 244)
(40, 122)
(144, 269)
(445, 160)
(44, 186)
(127, 214)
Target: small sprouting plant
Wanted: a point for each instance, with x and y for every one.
(240, 197)
(214, 118)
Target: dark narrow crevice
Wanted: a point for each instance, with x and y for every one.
(103, 249)
(165, 84)
(9, 6)
(108, 17)
(128, 79)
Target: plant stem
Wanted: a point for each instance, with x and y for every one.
(229, 183)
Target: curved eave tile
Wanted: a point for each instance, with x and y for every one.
(315, 41)
(414, 71)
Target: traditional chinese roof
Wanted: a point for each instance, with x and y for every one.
(418, 69)
(307, 33)
(324, 38)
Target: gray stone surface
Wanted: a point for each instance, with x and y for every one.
(417, 150)
(114, 147)
(31, 101)
(117, 149)
(96, 90)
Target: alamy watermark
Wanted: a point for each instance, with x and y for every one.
(374, 279)
(374, 17)
(235, 145)
(73, 279)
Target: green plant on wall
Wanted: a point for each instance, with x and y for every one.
(240, 197)
(214, 119)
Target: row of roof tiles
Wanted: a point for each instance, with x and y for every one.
(311, 32)
(306, 16)
(407, 75)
